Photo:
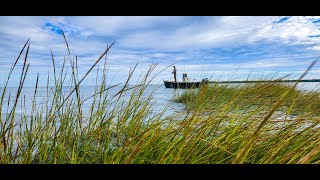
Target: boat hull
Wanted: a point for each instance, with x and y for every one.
(181, 85)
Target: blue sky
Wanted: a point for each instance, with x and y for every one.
(215, 46)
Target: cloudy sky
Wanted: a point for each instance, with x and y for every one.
(216, 47)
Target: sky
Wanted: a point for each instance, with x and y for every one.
(215, 47)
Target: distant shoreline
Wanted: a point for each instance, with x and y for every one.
(266, 81)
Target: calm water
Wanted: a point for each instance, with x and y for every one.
(162, 97)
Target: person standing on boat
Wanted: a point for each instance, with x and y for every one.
(174, 73)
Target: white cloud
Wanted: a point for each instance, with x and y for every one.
(186, 41)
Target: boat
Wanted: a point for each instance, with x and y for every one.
(185, 83)
(181, 85)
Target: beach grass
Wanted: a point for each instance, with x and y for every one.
(258, 123)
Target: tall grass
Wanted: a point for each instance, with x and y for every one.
(254, 123)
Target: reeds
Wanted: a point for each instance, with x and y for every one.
(252, 123)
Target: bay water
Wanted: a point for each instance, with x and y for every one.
(162, 97)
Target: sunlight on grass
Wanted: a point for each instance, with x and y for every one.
(251, 123)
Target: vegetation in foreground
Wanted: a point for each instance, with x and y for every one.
(255, 123)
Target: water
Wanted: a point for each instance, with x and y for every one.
(309, 86)
(162, 97)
